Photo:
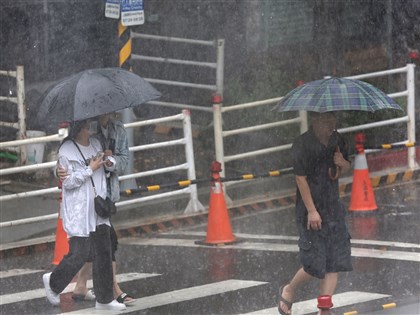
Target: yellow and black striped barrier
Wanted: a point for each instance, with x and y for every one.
(390, 146)
(179, 184)
(186, 183)
(124, 46)
(251, 176)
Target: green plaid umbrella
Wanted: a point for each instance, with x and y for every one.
(336, 94)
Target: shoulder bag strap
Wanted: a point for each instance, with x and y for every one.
(91, 179)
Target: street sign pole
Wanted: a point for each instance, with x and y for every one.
(128, 13)
(127, 114)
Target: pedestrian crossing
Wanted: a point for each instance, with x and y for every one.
(205, 289)
(179, 295)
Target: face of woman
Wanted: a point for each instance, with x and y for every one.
(85, 130)
(88, 129)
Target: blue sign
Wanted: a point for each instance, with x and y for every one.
(132, 5)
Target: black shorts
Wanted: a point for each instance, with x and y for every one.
(325, 251)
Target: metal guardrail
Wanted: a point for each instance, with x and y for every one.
(186, 141)
(19, 100)
(218, 66)
(221, 133)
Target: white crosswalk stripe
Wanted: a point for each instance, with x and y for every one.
(356, 251)
(339, 300)
(295, 238)
(179, 296)
(17, 272)
(39, 293)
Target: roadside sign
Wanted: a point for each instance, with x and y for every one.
(132, 12)
(112, 9)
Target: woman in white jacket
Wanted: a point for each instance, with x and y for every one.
(89, 234)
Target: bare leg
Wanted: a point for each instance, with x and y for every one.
(300, 278)
(82, 277)
(329, 283)
(116, 287)
(327, 287)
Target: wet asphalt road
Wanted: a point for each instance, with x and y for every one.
(170, 274)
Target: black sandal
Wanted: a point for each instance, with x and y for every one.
(125, 298)
(286, 302)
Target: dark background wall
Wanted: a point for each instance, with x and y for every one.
(270, 44)
(309, 38)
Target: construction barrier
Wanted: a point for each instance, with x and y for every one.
(185, 183)
(391, 146)
(362, 197)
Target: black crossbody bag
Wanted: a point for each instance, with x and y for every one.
(105, 208)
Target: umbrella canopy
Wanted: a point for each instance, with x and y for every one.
(335, 94)
(92, 93)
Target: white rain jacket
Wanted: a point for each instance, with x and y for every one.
(77, 209)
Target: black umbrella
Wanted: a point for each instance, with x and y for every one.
(92, 93)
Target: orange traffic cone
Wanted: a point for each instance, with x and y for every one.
(362, 197)
(61, 243)
(219, 230)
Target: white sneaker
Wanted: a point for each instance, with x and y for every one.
(52, 297)
(112, 306)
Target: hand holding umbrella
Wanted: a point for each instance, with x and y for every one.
(339, 161)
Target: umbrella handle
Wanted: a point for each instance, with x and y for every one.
(337, 170)
(337, 173)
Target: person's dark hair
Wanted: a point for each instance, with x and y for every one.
(74, 129)
(315, 115)
(76, 126)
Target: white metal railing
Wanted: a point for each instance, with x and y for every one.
(410, 118)
(220, 134)
(218, 66)
(19, 100)
(194, 204)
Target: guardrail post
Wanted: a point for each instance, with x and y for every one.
(220, 63)
(411, 123)
(194, 204)
(20, 95)
(218, 132)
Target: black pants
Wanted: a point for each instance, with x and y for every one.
(99, 243)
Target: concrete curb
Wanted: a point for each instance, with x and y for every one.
(382, 178)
